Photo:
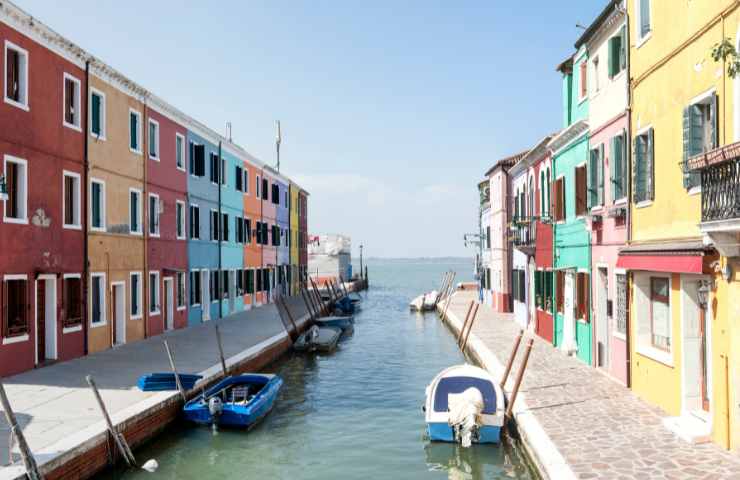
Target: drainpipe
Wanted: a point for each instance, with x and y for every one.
(220, 232)
(262, 247)
(84, 219)
(628, 155)
(145, 153)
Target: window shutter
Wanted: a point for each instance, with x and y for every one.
(644, 17)
(613, 56)
(580, 191)
(591, 181)
(650, 165)
(600, 165)
(96, 115)
(4, 307)
(714, 108)
(637, 194)
(613, 167)
(623, 48)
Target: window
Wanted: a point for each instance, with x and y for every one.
(214, 226)
(582, 296)
(248, 230)
(618, 166)
(644, 149)
(180, 152)
(197, 160)
(559, 199)
(72, 295)
(71, 200)
(136, 294)
(223, 171)
(134, 131)
(700, 134)
(644, 26)
(250, 281)
(488, 237)
(154, 210)
(225, 227)
(583, 72)
(596, 177)
(72, 108)
(239, 229)
(215, 286)
(214, 168)
(238, 176)
(621, 313)
(194, 222)
(581, 190)
(275, 194)
(286, 199)
(560, 290)
(195, 291)
(257, 184)
(246, 181)
(618, 53)
(154, 293)
(180, 219)
(264, 189)
(97, 114)
(16, 307)
(134, 211)
(97, 299)
(16, 181)
(259, 274)
(97, 205)
(595, 69)
(225, 284)
(16, 76)
(258, 233)
(181, 290)
(153, 139)
(660, 315)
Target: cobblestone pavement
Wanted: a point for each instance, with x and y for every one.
(601, 428)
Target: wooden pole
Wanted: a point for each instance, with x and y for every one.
(221, 350)
(119, 439)
(512, 355)
(344, 287)
(467, 314)
(470, 327)
(174, 370)
(315, 305)
(29, 460)
(520, 375)
(290, 317)
(442, 287)
(308, 305)
(448, 300)
(318, 296)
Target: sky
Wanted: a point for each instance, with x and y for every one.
(391, 111)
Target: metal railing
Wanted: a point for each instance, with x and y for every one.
(720, 191)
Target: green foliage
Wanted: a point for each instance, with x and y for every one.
(726, 52)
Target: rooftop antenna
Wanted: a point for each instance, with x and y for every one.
(228, 131)
(578, 25)
(278, 139)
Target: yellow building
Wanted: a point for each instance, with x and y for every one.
(681, 107)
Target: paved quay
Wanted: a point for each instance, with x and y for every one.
(57, 410)
(578, 423)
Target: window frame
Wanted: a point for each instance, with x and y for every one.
(24, 80)
(193, 233)
(650, 196)
(157, 232)
(182, 290)
(103, 300)
(180, 151)
(215, 230)
(180, 221)
(245, 180)
(103, 130)
(77, 102)
(640, 37)
(66, 326)
(157, 296)
(77, 199)
(667, 302)
(137, 150)
(21, 337)
(198, 297)
(23, 187)
(103, 218)
(149, 124)
(139, 293)
(583, 79)
(139, 194)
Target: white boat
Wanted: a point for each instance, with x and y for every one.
(464, 404)
(424, 303)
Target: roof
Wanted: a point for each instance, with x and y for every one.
(534, 154)
(594, 27)
(686, 247)
(507, 162)
(566, 66)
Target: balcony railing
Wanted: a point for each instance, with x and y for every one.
(524, 231)
(720, 182)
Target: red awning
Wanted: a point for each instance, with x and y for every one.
(662, 263)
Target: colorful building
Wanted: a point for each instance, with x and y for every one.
(522, 234)
(282, 217)
(483, 260)
(252, 217)
(303, 234)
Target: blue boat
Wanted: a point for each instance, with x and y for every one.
(161, 382)
(344, 306)
(464, 404)
(344, 322)
(240, 401)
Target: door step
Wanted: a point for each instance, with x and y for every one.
(690, 428)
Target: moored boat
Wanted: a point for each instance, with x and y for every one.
(464, 404)
(343, 322)
(239, 401)
(322, 339)
(161, 382)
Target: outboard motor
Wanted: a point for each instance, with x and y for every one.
(464, 411)
(215, 407)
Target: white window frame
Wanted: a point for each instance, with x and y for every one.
(258, 184)
(139, 194)
(245, 181)
(641, 39)
(103, 130)
(140, 294)
(156, 212)
(643, 342)
(23, 187)
(67, 276)
(25, 83)
(217, 227)
(151, 122)
(180, 137)
(154, 313)
(103, 307)
(77, 102)
(180, 224)
(182, 288)
(137, 150)
(77, 207)
(18, 338)
(102, 206)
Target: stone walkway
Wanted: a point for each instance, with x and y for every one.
(599, 428)
(54, 405)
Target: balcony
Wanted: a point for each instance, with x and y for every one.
(720, 197)
(524, 234)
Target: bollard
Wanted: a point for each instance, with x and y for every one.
(174, 370)
(511, 358)
(518, 382)
(32, 469)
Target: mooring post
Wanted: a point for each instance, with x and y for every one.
(451, 286)
(467, 314)
(520, 375)
(512, 356)
(318, 296)
(311, 315)
(220, 349)
(118, 438)
(29, 460)
(344, 287)
(314, 303)
(442, 287)
(468, 324)
(174, 370)
(290, 317)
(470, 327)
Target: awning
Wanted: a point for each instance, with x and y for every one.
(676, 257)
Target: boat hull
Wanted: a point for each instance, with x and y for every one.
(340, 322)
(443, 432)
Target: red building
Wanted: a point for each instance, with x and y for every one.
(166, 184)
(42, 232)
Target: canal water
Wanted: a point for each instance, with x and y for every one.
(352, 415)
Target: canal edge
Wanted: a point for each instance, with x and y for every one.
(545, 456)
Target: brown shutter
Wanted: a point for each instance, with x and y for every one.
(559, 290)
(11, 81)
(580, 200)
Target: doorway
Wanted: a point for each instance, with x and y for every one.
(531, 295)
(46, 319)
(602, 319)
(205, 278)
(569, 320)
(169, 293)
(232, 290)
(118, 304)
(697, 360)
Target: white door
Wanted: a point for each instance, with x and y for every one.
(169, 303)
(569, 321)
(118, 292)
(205, 295)
(602, 321)
(46, 318)
(531, 293)
(691, 364)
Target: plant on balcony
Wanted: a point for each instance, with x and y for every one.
(726, 52)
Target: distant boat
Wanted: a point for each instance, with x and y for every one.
(239, 401)
(464, 404)
(344, 306)
(424, 303)
(322, 339)
(161, 382)
(343, 322)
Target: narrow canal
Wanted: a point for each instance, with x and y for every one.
(354, 414)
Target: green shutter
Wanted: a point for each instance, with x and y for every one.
(613, 159)
(639, 174)
(600, 166)
(132, 125)
(96, 115)
(623, 48)
(650, 165)
(714, 109)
